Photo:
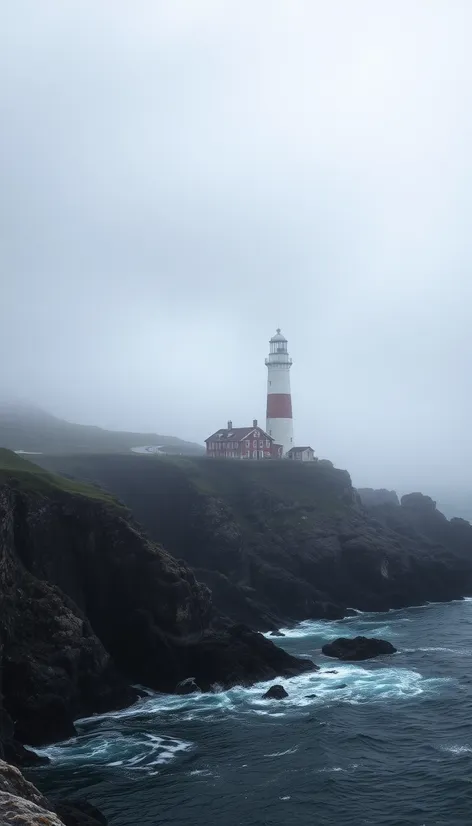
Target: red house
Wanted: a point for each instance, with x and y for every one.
(242, 443)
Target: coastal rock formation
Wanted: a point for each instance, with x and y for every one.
(275, 692)
(371, 497)
(279, 542)
(79, 813)
(21, 802)
(88, 604)
(357, 648)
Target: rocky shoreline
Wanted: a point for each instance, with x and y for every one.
(90, 606)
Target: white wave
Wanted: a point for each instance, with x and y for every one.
(458, 749)
(141, 751)
(326, 630)
(282, 753)
(347, 682)
(110, 741)
(463, 652)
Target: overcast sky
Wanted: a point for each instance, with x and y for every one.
(180, 178)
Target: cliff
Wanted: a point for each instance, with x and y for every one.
(371, 497)
(279, 542)
(89, 604)
(22, 803)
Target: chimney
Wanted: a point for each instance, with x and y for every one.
(254, 422)
(230, 425)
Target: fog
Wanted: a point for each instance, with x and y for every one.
(180, 178)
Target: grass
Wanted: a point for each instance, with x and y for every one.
(25, 475)
(308, 484)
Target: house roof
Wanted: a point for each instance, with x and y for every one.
(304, 447)
(237, 434)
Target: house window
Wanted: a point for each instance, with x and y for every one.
(257, 433)
(254, 444)
(267, 443)
(261, 443)
(248, 443)
(254, 454)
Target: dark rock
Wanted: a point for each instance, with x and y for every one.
(331, 611)
(7, 726)
(86, 598)
(311, 696)
(278, 544)
(338, 687)
(15, 753)
(418, 501)
(357, 648)
(187, 686)
(277, 634)
(239, 656)
(331, 672)
(80, 813)
(22, 803)
(370, 497)
(275, 692)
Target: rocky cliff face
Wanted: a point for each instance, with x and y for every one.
(278, 542)
(87, 603)
(21, 802)
(371, 497)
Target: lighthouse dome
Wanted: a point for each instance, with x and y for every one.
(278, 336)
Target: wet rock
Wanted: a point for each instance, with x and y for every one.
(15, 753)
(13, 782)
(311, 696)
(21, 802)
(16, 811)
(240, 656)
(338, 687)
(357, 648)
(275, 692)
(331, 672)
(188, 686)
(80, 813)
(11, 750)
(276, 634)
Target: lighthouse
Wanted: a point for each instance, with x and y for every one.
(279, 400)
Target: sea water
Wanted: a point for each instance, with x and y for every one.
(388, 741)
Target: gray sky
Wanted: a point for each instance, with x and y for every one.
(180, 178)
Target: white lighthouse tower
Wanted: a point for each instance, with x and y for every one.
(279, 400)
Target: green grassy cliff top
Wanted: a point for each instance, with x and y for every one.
(30, 477)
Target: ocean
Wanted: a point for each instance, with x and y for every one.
(385, 742)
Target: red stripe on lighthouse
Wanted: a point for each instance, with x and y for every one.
(279, 406)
